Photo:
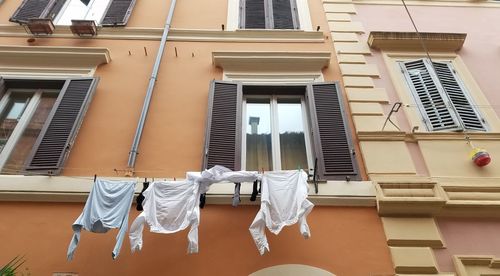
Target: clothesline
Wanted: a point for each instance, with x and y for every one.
(171, 208)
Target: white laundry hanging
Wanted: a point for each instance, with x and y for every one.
(172, 206)
(283, 203)
(169, 207)
(107, 207)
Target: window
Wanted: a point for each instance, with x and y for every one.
(82, 9)
(104, 12)
(441, 97)
(39, 120)
(274, 136)
(269, 14)
(253, 127)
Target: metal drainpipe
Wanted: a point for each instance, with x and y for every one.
(147, 100)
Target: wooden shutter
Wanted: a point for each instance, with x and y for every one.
(33, 9)
(284, 14)
(223, 131)
(457, 94)
(60, 129)
(253, 14)
(429, 96)
(331, 135)
(3, 88)
(118, 13)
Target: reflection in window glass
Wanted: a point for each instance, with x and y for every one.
(10, 117)
(82, 9)
(292, 139)
(258, 135)
(30, 134)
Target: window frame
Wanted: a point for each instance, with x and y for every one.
(474, 93)
(269, 15)
(59, 14)
(302, 14)
(274, 116)
(24, 120)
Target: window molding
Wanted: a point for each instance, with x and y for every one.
(185, 35)
(271, 61)
(391, 60)
(233, 15)
(53, 57)
(284, 78)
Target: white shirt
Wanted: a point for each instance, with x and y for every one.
(169, 207)
(283, 203)
(172, 206)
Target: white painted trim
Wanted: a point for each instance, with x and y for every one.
(304, 15)
(284, 78)
(20, 127)
(233, 11)
(46, 73)
(307, 135)
(275, 135)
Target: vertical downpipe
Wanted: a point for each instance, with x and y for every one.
(147, 99)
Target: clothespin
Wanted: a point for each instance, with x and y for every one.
(95, 177)
(298, 167)
(174, 179)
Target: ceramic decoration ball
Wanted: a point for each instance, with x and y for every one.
(480, 157)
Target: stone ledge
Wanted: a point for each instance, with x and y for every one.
(410, 41)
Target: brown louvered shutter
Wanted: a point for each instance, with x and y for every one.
(253, 14)
(32, 9)
(118, 13)
(2, 87)
(284, 14)
(60, 129)
(331, 136)
(223, 132)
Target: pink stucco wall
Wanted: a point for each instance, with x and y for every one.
(467, 237)
(481, 51)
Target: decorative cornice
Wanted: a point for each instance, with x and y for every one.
(425, 136)
(426, 197)
(483, 264)
(53, 57)
(410, 41)
(439, 3)
(195, 35)
(271, 61)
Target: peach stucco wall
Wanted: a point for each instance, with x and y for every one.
(467, 237)
(345, 241)
(173, 136)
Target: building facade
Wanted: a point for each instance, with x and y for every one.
(125, 93)
(232, 77)
(439, 209)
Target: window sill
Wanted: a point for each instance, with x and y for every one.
(194, 35)
(75, 189)
(422, 136)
